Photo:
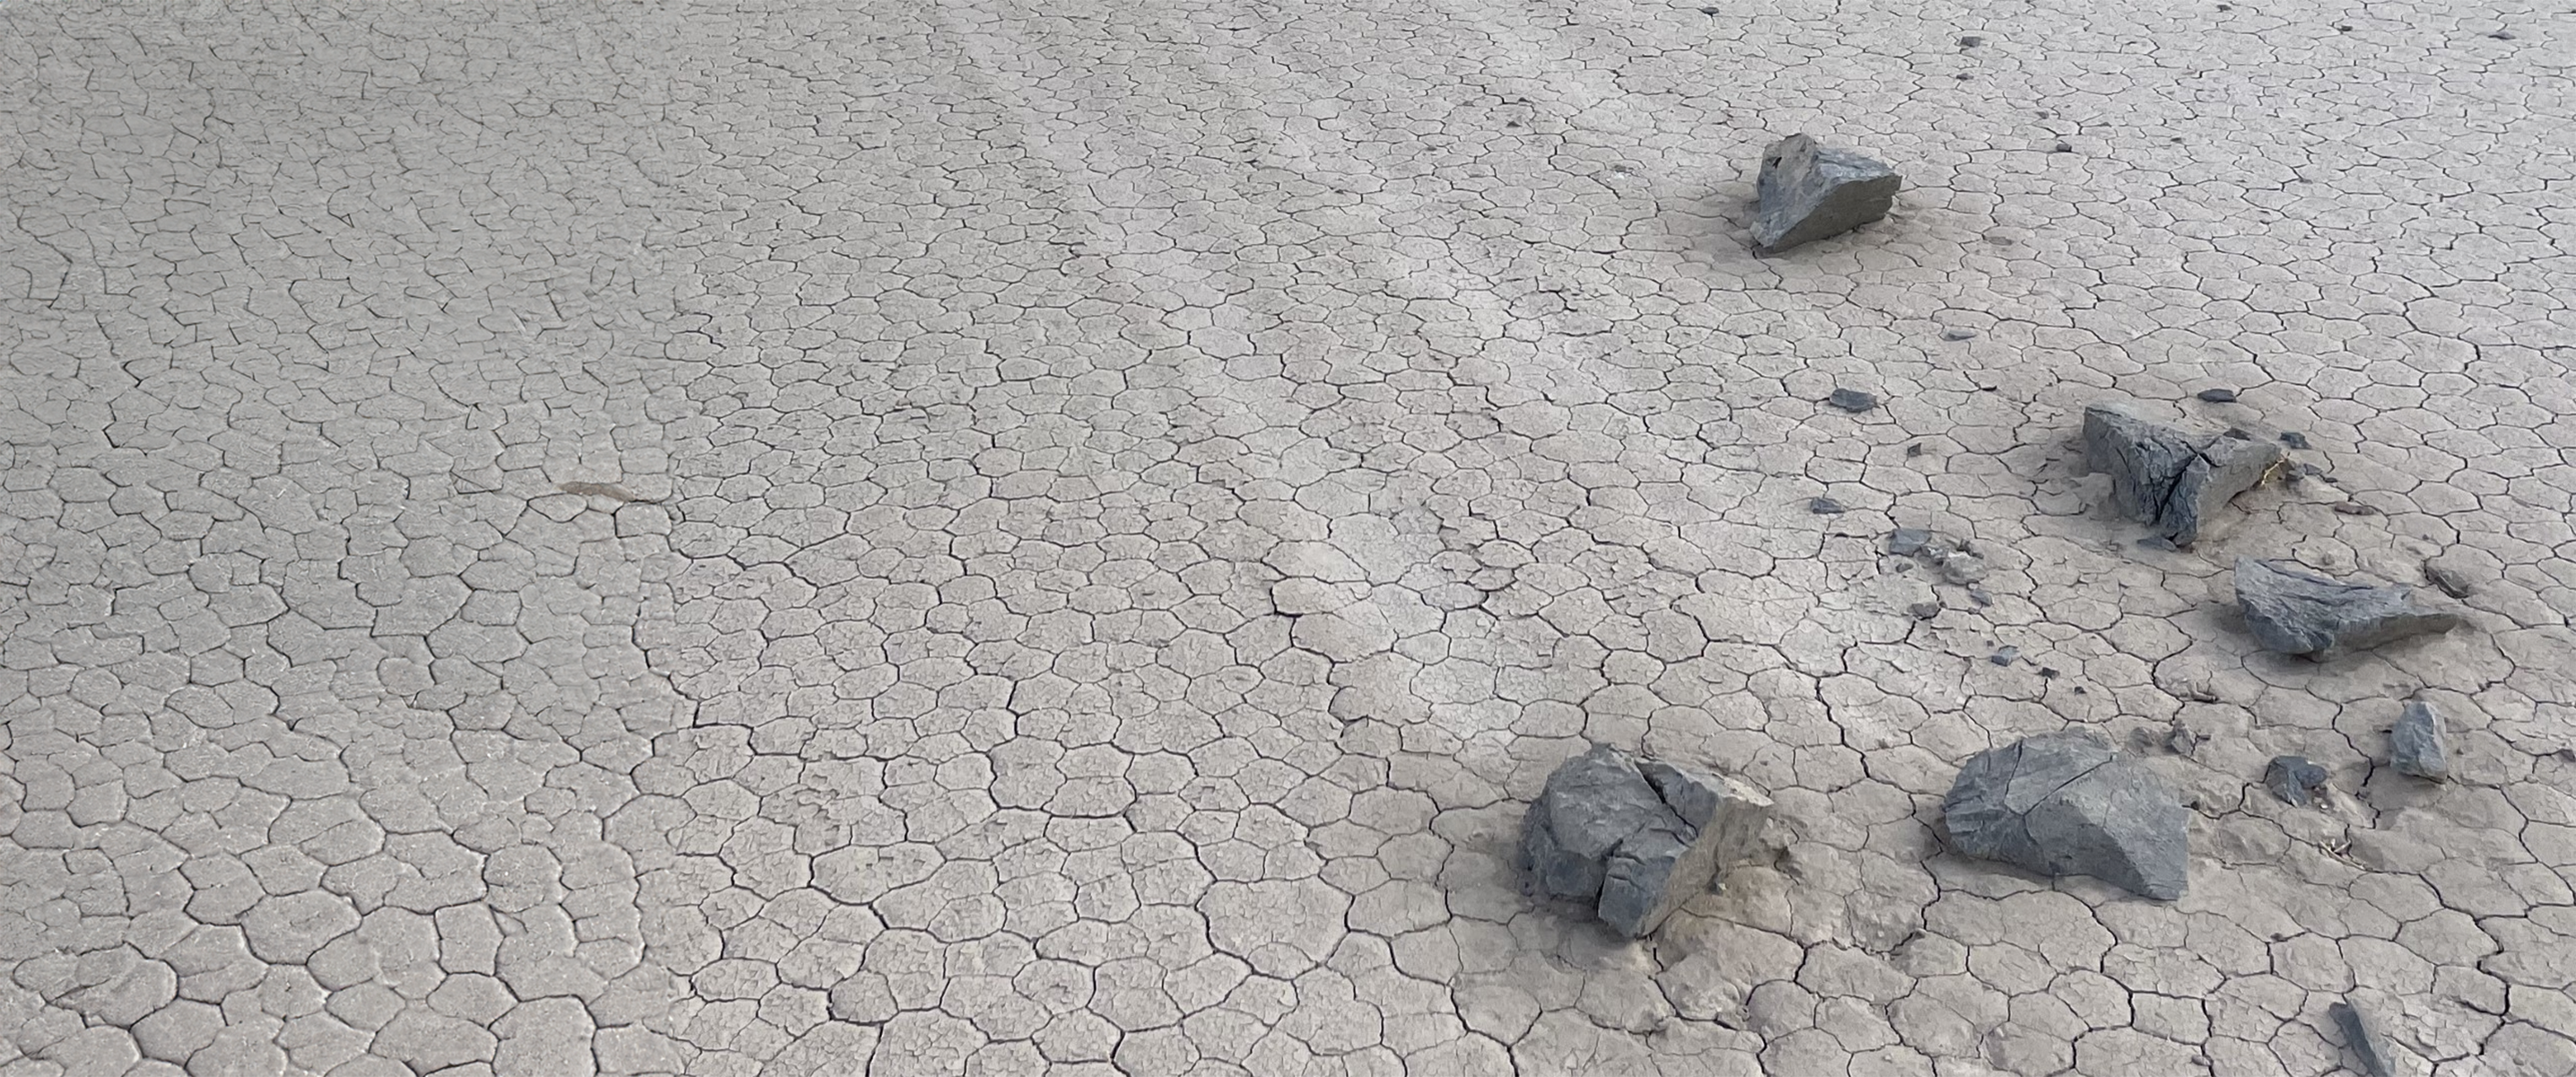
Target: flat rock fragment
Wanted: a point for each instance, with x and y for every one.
(1852, 400)
(2171, 478)
(2296, 612)
(2068, 804)
(2293, 779)
(1808, 192)
(1636, 840)
(2416, 746)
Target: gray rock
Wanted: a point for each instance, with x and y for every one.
(2218, 396)
(2294, 439)
(1852, 400)
(2293, 779)
(1826, 506)
(2451, 579)
(1635, 841)
(2357, 1038)
(2416, 746)
(1807, 192)
(2169, 477)
(1908, 541)
(2294, 612)
(2067, 804)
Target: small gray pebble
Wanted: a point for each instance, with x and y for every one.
(2062, 147)
(2219, 396)
(1924, 611)
(1908, 540)
(1958, 334)
(1825, 506)
(1980, 596)
(1971, 41)
(2004, 656)
(1852, 400)
(2452, 581)
(1914, 450)
(2292, 778)
(2294, 439)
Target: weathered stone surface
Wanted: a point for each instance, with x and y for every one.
(1634, 840)
(2293, 779)
(2295, 612)
(2416, 746)
(2169, 477)
(1807, 192)
(2066, 803)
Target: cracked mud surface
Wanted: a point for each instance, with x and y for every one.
(1088, 521)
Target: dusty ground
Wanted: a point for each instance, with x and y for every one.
(1105, 510)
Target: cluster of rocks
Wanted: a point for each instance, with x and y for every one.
(1635, 838)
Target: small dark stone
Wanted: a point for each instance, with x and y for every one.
(2181, 740)
(1925, 610)
(2294, 439)
(2357, 1038)
(2292, 778)
(2240, 433)
(1826, 506)
(2067, 804)
(2355, 508)
(1708, 11)
(1958, 334)
(2452, 581)
(2004, 655)
(1907, 541)
(2079, 689)
(2062, 146)
(2047, 673)
(1980, 596)
(2219, 396)
(2345, 29)
(1971, 41)
(2226, 7)
(1807, 192)
(1852, 400)
(1963, 76)
(1914, 450)
(2416, 747)
(2502, 35)
(2296, 612)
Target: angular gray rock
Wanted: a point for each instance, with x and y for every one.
(2068, 804)
(1807, 192)
(2416, 746)
(2358, 1039)
(2170, 477)
(2295, 612)
(2293, 779)
(1634, 840)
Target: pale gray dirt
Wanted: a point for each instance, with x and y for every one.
(1105, 511)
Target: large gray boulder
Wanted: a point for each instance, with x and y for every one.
(2067, 804)
(2167, 476)
(1634, 840)
(1807, 192)
(2296, 612)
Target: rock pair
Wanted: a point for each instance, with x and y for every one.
(2169, 477)
(1635, 838)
